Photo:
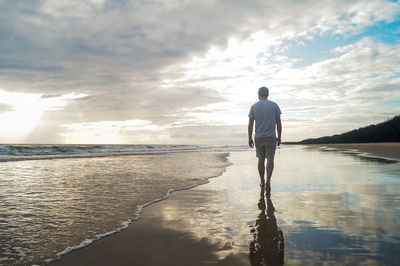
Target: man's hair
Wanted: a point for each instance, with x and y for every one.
(263, 92)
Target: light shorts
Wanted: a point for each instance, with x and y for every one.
(265, 147)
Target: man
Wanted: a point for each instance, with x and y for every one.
(268, 117)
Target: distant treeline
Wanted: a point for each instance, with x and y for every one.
(388, 131)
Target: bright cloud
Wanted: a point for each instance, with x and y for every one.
(137, 131)
(26, 110)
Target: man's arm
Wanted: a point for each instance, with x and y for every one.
(279, 129)
(250, 131)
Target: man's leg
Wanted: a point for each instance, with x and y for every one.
(270, 169)
(261, 169)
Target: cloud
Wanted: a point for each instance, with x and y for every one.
(363, 79)
(302, 108)
(365, 64)
(209, 134)
(6, 108)
(23, 112)
(158, 60)
(111, 131)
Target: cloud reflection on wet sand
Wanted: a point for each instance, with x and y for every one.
(328, 207)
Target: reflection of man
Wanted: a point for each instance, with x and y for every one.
(268, 117)
(268, 246)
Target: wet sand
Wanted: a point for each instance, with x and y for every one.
(160, 237)
(328, 206)
(388, 150)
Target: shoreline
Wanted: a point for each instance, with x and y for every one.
(173, 240)
(138, 215)
(389, 150)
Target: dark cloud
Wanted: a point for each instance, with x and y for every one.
(24, 67)
(46, 96)
(92, 44)
(5, 108)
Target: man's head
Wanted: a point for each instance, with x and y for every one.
(263, 92)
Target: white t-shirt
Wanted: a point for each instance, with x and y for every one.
(265, 113)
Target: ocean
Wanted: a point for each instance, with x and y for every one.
(58, 198)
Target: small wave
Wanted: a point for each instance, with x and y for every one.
(87, 242)
(67, 149)
(10, 153)
(4, 150)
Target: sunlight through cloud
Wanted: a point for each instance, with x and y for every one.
(27, 110)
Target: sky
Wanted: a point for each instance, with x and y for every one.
(187, 71)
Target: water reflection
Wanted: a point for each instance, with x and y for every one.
(355, 154)
(267, 246)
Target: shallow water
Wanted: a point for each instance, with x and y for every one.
(325, 208)
(47, 206)
(338, 207)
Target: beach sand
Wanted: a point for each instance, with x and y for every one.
(216, 224)
(387, 150)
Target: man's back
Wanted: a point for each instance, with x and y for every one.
(265, 113)
(268, 118)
